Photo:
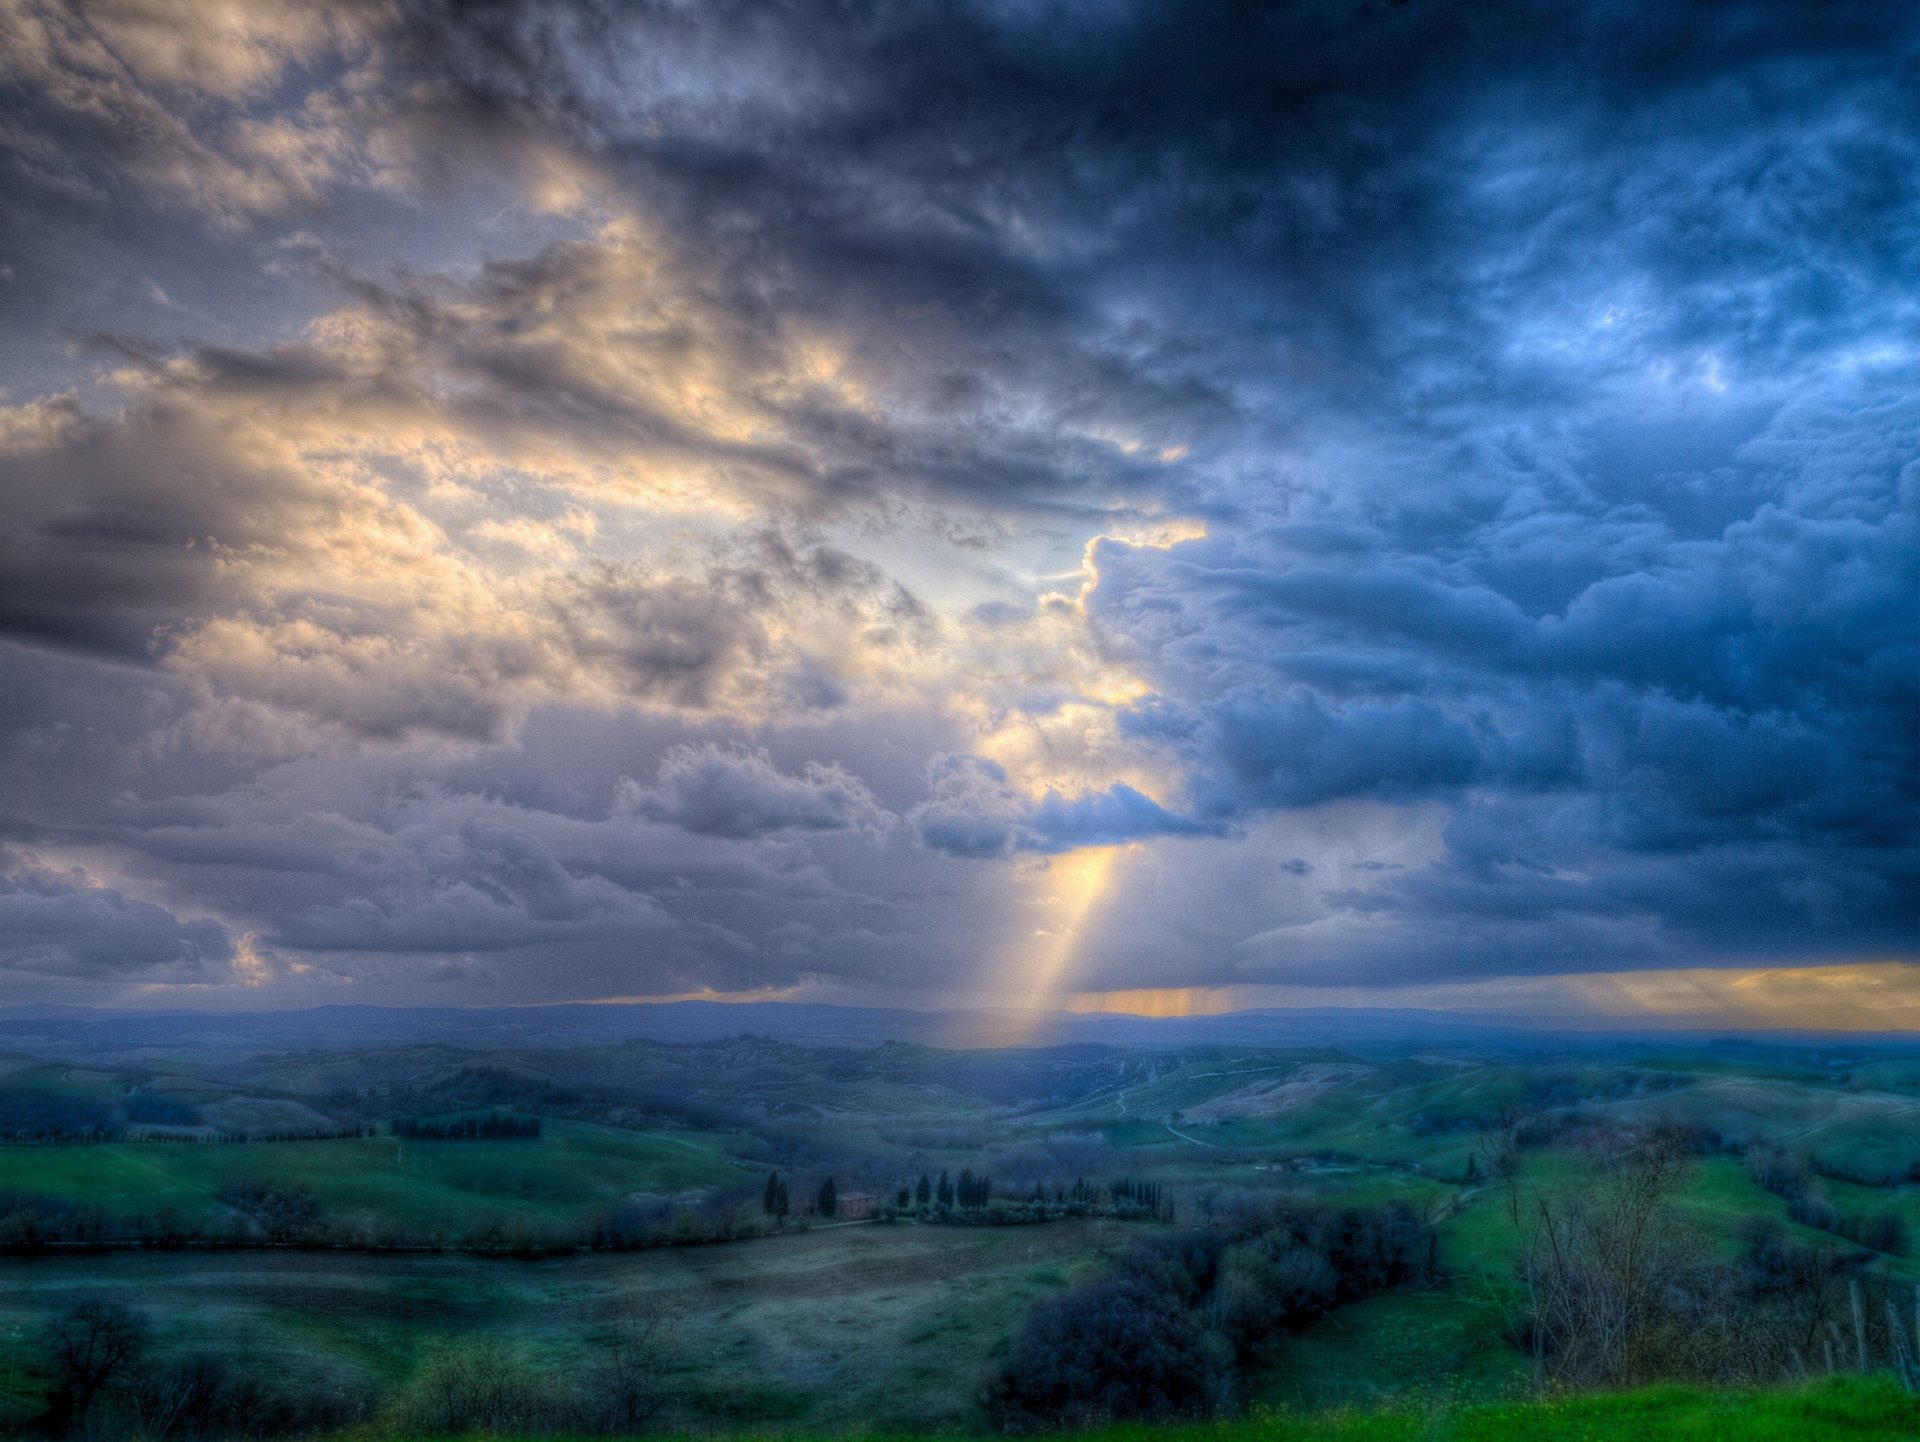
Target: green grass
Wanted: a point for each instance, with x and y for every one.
(1870, 1148)
(881, 1328)
(1836, 1409)
(1841, 1408)
(1445, 1345)
(572, 1169)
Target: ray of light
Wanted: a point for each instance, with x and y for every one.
(1073, 886)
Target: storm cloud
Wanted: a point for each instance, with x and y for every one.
(592, 500)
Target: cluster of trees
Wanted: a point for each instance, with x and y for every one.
(482, 1388)
(970, 1197)
(1165, 1332)
(1790, 1178)
(284, 1211)
(1130, 1198)
(969, 1193)
(1623, 1291)
(777, 1202)
(48, 1116)
(634, 1225)
(286, 1214)
(41, 1113)
(103, 1381)
(494, 1126)
(1128, 1195)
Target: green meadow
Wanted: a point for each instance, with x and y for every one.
(572, 1169)
(900, 1325)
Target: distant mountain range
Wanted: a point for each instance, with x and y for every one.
(49, 1030)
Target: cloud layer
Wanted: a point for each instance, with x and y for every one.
(560, 500)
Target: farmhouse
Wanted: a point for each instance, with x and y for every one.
(855, 1206)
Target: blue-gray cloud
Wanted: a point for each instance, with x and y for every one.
(1543, 380)
(975, 812)
(717, 791)
(65, 924)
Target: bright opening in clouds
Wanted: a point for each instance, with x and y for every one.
(1161, 507)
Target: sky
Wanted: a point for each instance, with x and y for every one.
(1155, 507)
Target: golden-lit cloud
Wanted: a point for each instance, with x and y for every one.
(162, 87)
(1865, 996)
(728, 503)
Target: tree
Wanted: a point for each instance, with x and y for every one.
(1598, 1268)
(632, 1354)
(95, 1345)
(1115, 1349)
(475, 1387)
(1497, 1152)
(774, 1201)
(829, 1199)
(923, 1194)
(945, 1192)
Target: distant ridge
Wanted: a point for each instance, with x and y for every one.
(59, 1030)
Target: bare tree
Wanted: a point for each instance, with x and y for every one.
(1597, 1266)
(1497, 1152)
(159, 1398)
(94, 1346)
(633, 1350)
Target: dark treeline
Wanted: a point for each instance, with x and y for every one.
(201, 1138)
(1166, 1331)
(1539, 1096)
(494, 1126)
(39, 1113)
(1792, 1180)
(100, 1379)
(975, 1197)
(43, 1113)
(279, 1215)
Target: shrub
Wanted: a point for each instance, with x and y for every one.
(479, 1387)
(1116, 1348)
(1158, 1335)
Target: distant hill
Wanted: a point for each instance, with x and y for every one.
(49, 1031)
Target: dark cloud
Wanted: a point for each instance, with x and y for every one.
(65, 924)
(717, 791)
(590, 488)
(975, 812)
(115, 532)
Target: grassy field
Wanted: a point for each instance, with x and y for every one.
(877, 1330)
(569, 1171)
(1838, 1409)
(898, 1329)
(853, 1327)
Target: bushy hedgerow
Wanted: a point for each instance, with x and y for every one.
(1160, 1335)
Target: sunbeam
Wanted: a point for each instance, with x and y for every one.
(1071, 888)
